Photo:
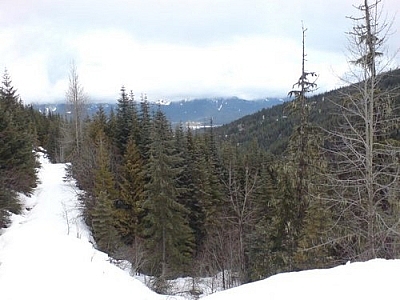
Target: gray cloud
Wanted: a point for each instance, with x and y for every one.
(174, 47)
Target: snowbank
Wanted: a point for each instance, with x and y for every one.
(376, 279)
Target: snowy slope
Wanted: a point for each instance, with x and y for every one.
(46, 253)
(376, 279)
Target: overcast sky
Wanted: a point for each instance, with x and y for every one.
(174, 49)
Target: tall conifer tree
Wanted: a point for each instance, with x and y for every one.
(105, 193)
(129, 209)
(168, 234)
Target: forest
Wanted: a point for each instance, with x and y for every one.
(308, 184)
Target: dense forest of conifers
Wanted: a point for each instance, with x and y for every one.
(22, 130)
(309, 184)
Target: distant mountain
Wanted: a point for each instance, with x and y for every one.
(194, 112)
(220, 110)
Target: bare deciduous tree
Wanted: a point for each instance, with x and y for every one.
(365, 159)
(241, 217)
(76, 100)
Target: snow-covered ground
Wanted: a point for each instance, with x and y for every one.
(376, 279)
(46, 254)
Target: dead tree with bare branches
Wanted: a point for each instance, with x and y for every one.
(364, 175)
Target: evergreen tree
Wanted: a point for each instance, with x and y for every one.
(300, 208)
(105, 192)
(168, 235)
(190, 181)
(54, 144)
(135, 131)
(104, 232)
(46, 130)
(17, 160)
(261, 247)
(213, 186)
(214, 250)
(285, 225)
(9, 98)
(8, 136)
(299, 141)
(129, 207)
(126, 120)
(145, 127)
(111, 127)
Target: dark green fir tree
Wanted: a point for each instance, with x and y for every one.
(168, 235)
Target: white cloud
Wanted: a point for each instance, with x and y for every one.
(174, 48)
(109, 59)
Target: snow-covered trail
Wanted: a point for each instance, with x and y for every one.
(46, 253)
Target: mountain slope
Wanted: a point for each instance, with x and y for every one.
(271, 127)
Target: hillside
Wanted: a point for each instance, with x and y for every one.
(271, 127)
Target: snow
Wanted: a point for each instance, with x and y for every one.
(375, 279)
(163, 102)
(47, 253)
